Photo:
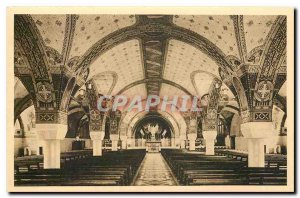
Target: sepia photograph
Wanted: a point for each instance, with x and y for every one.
(141, 99)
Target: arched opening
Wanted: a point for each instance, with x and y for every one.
(221, 132)
(154, 128)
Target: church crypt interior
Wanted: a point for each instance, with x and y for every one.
(234, 65)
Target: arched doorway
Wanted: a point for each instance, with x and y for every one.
(153, 128)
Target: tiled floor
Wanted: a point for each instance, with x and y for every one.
(154, 171)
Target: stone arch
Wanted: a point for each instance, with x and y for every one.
(274, 49)
(231, 109)
(67, 94)
(193, 74)
(243, 103)
(133, 120)
(31, 42)
(115, 79)
(162, 80)
(20, 120)
(20, 106)
(154, 116)
(140, 30)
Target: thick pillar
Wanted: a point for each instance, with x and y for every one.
(256, 133)
(130, 142)
(143, 142)
(114, 141)
(124, 141)
(209, 137)
(173, 142)
(182, 141)
(192, 138)
(51, 135)
(97, 138)
(256, 155)
(182, 144)
(177, 142)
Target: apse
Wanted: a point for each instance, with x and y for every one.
(153, 128)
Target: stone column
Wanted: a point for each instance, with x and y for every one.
(130, 141)
(192, 133)
(182, 141)
(256, 132)
(124, 141)
(143, 142)
(51, 135)
(177, 142)
(114, 141)
(173, 142)
(97, 138)
(192, 138)
(209, 137)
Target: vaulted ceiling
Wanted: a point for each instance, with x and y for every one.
(216, 28)
(52, 29)
(91, 28)
(131, 62)
(256, 29)
(124, 60)
(183, 59)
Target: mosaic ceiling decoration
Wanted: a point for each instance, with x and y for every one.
(91, 28)
(218, 29)
(256, 29)
(182, 60)
(125, 60)
(52, 29)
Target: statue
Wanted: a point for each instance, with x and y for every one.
(153, 130)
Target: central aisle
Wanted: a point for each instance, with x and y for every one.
(154, 171)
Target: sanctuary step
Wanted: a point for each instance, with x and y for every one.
(113, 168)
(192, 168)
(154, 171)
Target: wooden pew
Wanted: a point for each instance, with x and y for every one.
(24, 164)
(113, 168)
(271, 160)
(228, 169)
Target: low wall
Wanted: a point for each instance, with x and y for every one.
(33, 144)
(272, 144)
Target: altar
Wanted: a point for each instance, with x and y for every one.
(153, 143)
(153, 146)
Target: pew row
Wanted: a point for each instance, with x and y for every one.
(193, 168)
(271, 160)
(111, 169)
